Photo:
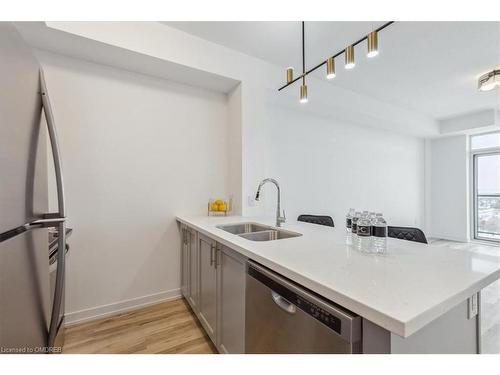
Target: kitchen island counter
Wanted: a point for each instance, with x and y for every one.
(402, 291)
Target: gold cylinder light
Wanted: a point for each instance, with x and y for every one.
(289, 75)
(303, 93)
(372, 44)
(330, 68)
(349, 57)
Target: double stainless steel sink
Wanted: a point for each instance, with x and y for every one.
(258, 232)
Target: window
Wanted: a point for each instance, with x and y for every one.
(489, 140)
(486, 169)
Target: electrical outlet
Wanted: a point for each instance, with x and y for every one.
(473, 308)
(251, 201)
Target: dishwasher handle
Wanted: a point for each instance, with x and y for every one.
(283, 303)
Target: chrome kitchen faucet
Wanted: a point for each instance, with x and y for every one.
(279, 219)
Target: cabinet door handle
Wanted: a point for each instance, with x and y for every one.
(218, 257)
(212, 248)
(184, 236)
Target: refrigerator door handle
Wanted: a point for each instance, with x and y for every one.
(49, 116)
(58, 218)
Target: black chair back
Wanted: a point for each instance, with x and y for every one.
(317, 219)
(407, 233)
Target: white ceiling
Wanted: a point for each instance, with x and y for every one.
(430, 67)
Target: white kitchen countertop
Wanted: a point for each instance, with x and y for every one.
(402, 291)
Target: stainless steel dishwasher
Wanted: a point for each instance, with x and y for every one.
(282, 317)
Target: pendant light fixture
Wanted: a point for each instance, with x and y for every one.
(303, 87)
(303, 93)
(372, 43)
(489, 81)
(349, 58)
(330, 68)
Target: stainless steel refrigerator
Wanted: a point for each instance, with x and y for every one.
(31, 315)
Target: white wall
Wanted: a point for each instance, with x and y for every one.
(448, 190)
(87, 40)
(136, 152)
(234, 150)
(326, 167)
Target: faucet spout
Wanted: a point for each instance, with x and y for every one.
(279, 219)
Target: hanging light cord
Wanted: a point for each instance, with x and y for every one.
(304, 73)
(303, 56)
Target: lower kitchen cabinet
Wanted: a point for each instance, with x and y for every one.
(213, 280)
(207, 285)
(184, 261)
(193, 284)
(231, 281)
(189, 266)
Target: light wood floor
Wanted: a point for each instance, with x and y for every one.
(168, 327)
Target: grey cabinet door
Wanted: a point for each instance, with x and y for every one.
(207, 285)
(231, 279)
(184, 262)
(193, 270)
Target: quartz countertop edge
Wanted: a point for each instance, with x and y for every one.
(304, 268)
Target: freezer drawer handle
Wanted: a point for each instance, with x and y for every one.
(49, 220)
(283, 303)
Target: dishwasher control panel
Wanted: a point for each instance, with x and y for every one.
(318, 313)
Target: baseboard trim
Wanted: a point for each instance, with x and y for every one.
(115, 308)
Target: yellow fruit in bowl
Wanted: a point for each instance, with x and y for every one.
(222, 207)
(214, 207)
